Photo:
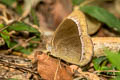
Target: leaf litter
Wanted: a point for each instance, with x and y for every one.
(22, 34)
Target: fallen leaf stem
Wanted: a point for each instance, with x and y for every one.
(102, 43)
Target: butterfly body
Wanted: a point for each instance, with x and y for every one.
(71, 41)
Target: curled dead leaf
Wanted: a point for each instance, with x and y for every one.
(93, 25)
(51, 69)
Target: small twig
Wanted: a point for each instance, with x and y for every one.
(57, 70)
(3, 28)
(7, 34)
(14, 66)
(9, 50)
(30, 39)
(7, 26)
(111, 76)
(106, 71)
(15, 62)
(86, 2)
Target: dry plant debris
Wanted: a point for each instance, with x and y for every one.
(26, 26)
(53, 69)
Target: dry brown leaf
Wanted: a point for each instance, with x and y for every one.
(117, 6)
(103, 32)
(52, 12)
(93, 25)
(51, 69)
(61, 10)
(81, 74)
(73, 68)
(87, 75)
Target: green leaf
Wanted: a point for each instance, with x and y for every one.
(98, 61)
(102, 15)
(8, 2)
(77, 2)
(12, 79)
(26, 51)
(5, 35)
(19, 9)
(114, 58)
(21, 49)
(107, 68)
(20, 26)
(34, 17)
(116, 78)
